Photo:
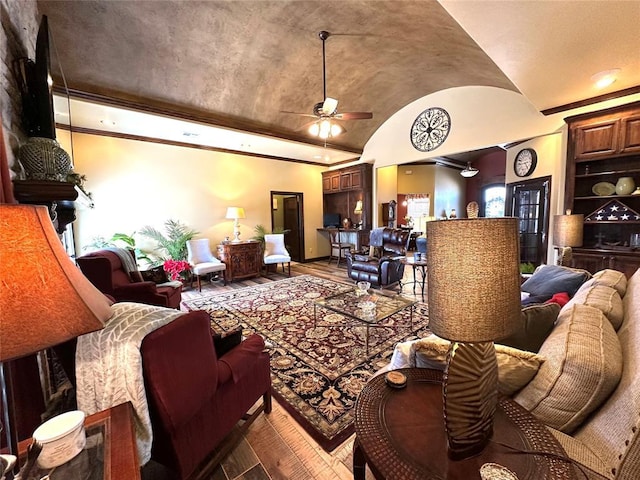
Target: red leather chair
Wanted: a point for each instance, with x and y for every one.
(196, 398)
(105, 270)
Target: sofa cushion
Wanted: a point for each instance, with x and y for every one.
(611, 278)
(548, 280)
(606, 299)
(534, 324)
(515, 367)
(583, 364)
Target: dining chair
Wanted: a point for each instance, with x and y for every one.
(337, 246)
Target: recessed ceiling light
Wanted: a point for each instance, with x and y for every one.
(108, 123)
(605, 78)
(317, 157)
(190, 134)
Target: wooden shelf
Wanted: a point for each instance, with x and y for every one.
(611, 172)
(596, 197)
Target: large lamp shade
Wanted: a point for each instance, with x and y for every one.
(44, 298)
(568, 230)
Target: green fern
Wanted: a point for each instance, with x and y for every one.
(173, 242)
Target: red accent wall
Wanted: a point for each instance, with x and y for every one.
(492, 168)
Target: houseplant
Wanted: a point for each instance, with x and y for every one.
(173, 243)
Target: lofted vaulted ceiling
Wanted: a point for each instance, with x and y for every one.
(241, 63)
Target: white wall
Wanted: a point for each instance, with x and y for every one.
(136, 183)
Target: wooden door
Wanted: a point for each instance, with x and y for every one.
(293, 224)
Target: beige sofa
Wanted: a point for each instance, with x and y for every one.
(587, 386)
(606, 443)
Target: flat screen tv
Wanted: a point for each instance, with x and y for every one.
(37, 88)
(331, 220)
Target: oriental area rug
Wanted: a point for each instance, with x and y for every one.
(317, 372)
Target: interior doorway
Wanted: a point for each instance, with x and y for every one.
(529, 201)
(286, 214)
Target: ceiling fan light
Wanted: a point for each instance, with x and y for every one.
(469, 171)
(324, 129)
(314, 129)
(336, 129)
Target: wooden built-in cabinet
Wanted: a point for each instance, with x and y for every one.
(603, 147)
(242, 259)
(343, 188)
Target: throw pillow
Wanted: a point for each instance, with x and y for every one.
(155, 275)
(583, 365)
(548, 280)
(611, 278)
(561, 298)
(516, 368)
(605, 299)
(226, 341)
(534, 324)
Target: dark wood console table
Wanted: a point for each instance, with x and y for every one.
(400, 434)
(243, 259)
(110, 453)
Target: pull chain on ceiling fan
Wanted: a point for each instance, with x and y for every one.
(326, 112)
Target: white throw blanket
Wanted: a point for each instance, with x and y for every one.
(109, 365)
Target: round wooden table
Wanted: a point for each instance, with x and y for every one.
(400, 434)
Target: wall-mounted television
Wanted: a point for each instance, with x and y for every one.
(331, 220)
(36, 88)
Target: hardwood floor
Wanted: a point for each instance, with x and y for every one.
(275, 446)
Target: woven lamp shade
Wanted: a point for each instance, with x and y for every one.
(568, 230)
(44, 298)
(474, 278)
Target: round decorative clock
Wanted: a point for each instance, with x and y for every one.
(430, 129)
(525, 162)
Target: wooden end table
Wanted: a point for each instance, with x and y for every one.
(110, 453)
(400, 434)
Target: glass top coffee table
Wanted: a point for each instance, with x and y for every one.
(369, 308)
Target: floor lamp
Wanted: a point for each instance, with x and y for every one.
(567, 233)
(44, 298)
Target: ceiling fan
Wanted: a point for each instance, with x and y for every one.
(326, 112)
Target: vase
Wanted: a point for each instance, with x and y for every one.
(625, 185)
(44, 159)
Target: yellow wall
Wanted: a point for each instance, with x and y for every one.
(136, 183)
(385, 190)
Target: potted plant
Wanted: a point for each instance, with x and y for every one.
(173, 242)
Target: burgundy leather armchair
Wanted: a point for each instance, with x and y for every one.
(385, 269)
(105, 270)
(196, 398)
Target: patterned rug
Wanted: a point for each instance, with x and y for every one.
(317, 373)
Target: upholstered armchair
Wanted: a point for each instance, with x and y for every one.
(382, 268)
(196, 397)
(202, 260)
(275, 251)
(116, 275)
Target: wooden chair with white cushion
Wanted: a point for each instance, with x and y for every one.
(202, 260)
(275, 251)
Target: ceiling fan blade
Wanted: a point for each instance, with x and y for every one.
(298, 113)
(354, 115)
(329, 106)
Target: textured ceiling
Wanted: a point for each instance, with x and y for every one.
(239, 63)
(242, 62)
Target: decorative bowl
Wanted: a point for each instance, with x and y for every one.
(604, 188)
(62, 438)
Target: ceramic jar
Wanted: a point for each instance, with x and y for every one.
(625, 186)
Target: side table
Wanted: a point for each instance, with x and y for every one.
(400, 434)
(243, 259)
(421, 266)
(110, 452)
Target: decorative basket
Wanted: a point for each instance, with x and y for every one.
(44, 159)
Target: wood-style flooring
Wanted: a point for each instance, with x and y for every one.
(275, 446)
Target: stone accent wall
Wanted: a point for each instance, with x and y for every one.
(20, 20)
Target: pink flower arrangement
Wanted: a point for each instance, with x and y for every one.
(174, 268)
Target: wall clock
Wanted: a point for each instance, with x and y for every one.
(525, 162)
(430, 129)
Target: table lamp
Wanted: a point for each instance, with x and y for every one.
(44, 298)
(358, 211)
(235, 213)
(567, 233)
(474, 299)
